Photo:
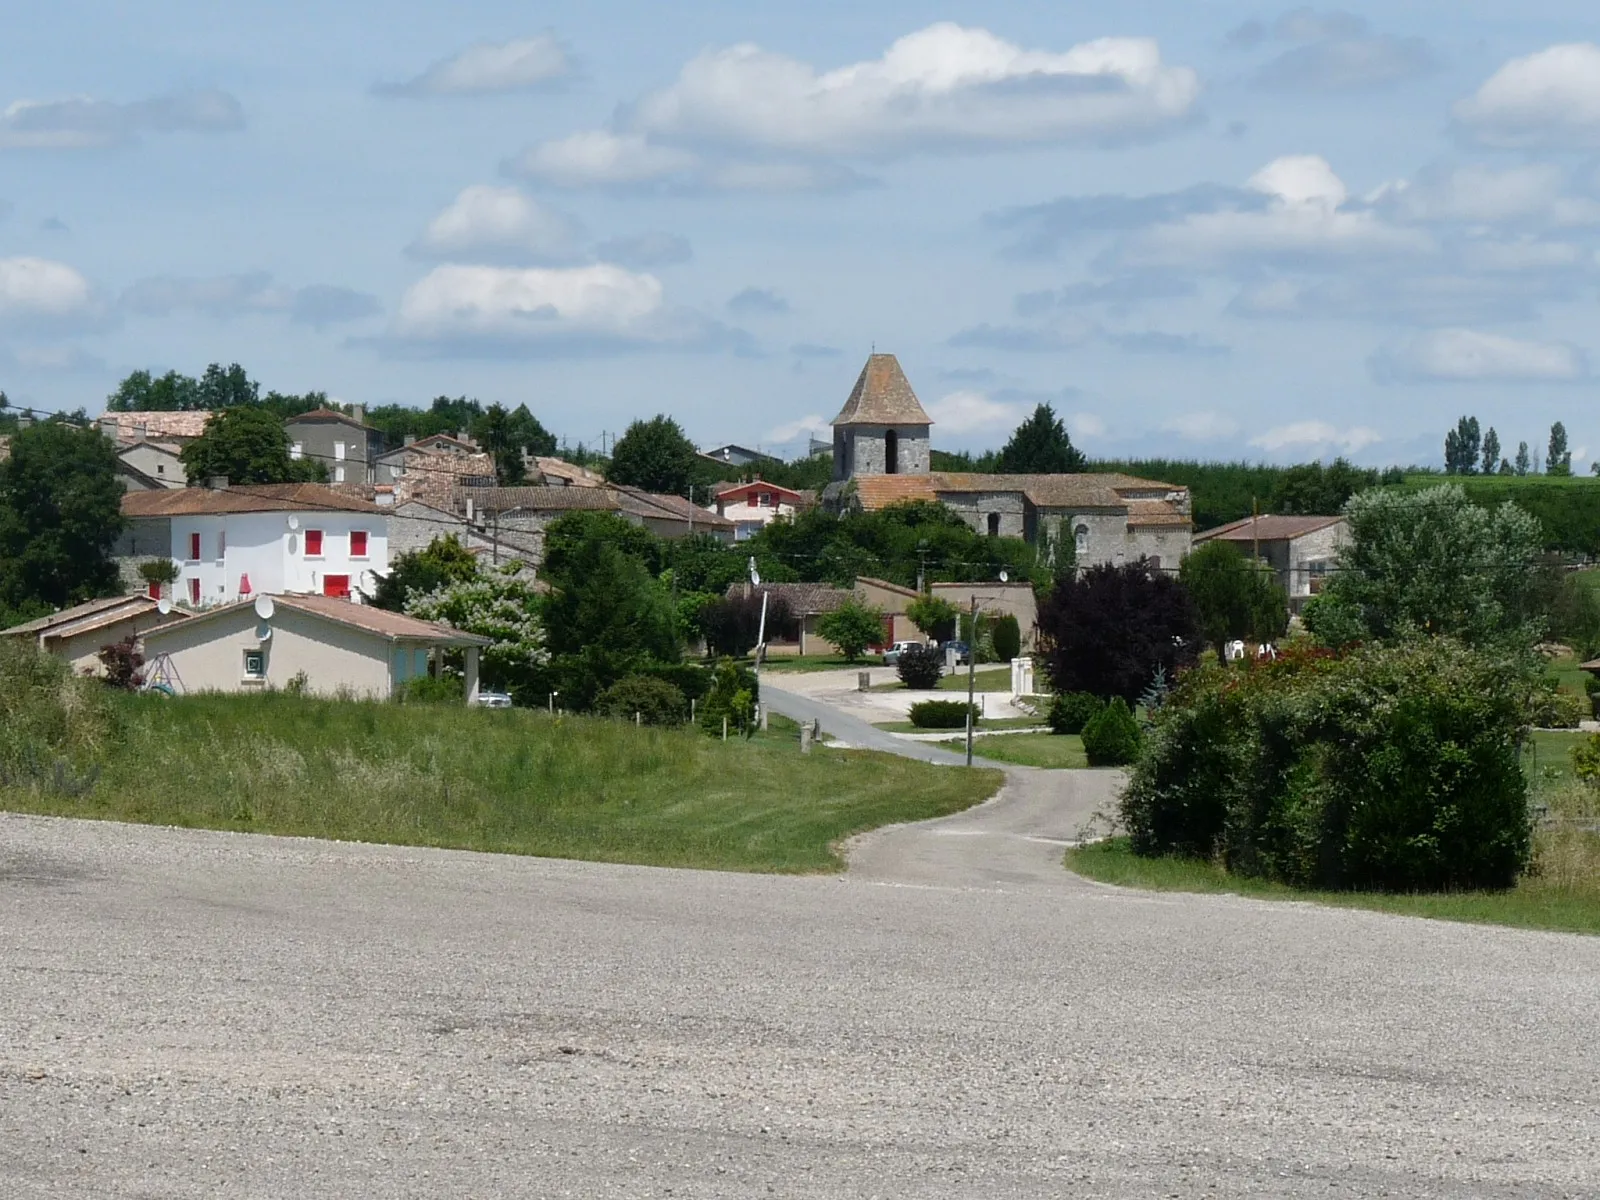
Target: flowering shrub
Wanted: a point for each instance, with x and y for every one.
(498, 604)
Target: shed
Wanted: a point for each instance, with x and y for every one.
(77, 634)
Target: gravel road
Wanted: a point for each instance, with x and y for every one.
(189, 1014)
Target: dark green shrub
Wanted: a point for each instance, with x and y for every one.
(1556, 708)
(1069, 713)
(734, 693)
(1392, 768)
(692, 680)
(942, 714)
(425, 689)
(1111, 738)
(1007, 637)
(1591, 687)
(920, 667)
(655, 701)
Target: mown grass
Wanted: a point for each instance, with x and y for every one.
(987, 679)
(509, 781)
(1564, 895)
(1051, 750)
(798, 664)
(984, 723)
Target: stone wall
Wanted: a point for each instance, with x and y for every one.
(975, 509)
(864, 451)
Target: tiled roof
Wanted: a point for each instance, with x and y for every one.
(366, 617)
(443, 441)
(757, 484)
(882, 396)
(659, 505)
(880, 491)
(320, 415)
(157, 425)
(803, 599)
(576, 476)
(1080, 492)
(1266, 529)
(245, 498)
(887, 586)
(541, 499)
(78, 612)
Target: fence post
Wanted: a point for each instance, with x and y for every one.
(636, 720)
(805, 738)
(724, 727)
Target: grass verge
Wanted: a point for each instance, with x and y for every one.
(988, 679)
(985, 723)
(508, 781)
(1052, 750)
(1563, 895)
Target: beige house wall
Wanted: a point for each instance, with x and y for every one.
(996, 599)
(82, 651)
(208, 654)
(157, 462)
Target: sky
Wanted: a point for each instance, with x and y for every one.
(1197, 229)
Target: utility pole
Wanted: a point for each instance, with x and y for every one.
(972, 669)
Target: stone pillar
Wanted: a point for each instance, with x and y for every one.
(472, 675)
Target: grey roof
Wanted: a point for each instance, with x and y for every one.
(882, 396)
(89, 608)
(803, 599)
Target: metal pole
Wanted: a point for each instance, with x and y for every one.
(972, 671)
(761, 635)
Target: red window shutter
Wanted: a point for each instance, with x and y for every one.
(153, 591)
(194, 547)
(194, 588)
(358, 543)
(314, 541)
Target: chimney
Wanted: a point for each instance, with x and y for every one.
(359, 412)
(217, 483)
(410, 438)
(464, 435)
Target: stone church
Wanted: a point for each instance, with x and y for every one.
(882, 456)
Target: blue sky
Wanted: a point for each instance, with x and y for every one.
(1200, 229)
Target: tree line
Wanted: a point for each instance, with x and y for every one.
(1469, 450)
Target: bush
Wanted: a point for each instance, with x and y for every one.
(920, 667)
(943, 714)
(1107, 629)
(1007, 637)
(1111, 737)
(734, 693)
(1391, 768)
(656, 701)
(1557, 708)
(123, 664)
(1586, 759)
(1071, 712)
(852, 627)
(54, 727)
(693, 680)
(424, 689)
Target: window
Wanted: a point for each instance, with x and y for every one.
(338, 452)
(891, 453)
(766, 500)
(222, 544)
(161, 468)
(338, 474)
(194, 547)
(358, 543)
(255, 664)
(313, 543)
(297, 450)
(1080, 539)
(194, 591)
(994, 524)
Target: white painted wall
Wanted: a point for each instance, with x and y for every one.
(262, 546)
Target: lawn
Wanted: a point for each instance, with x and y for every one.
(514, 781)
(1057, 750)
(988, 679)
(985, 723)
(1565, 897)
(798, 664)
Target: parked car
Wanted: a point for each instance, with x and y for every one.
(892, 654)
(492, 700)
(963, 651)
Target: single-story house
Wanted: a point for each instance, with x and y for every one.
(339, 648)
(1300, 550)
(77, 634)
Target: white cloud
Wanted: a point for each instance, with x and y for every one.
(1086, 425)
(39, 290)
(599, 158)
(489, 67)
(1472, 356)
(498, 224)
(84, 123)
(1547, 99)
(1305, 218)
(1314, 435)
(1203, 426)
(253, 292)
(1482, 194)
(974, 412)
(945, 85)
(810, 425)
(467, 307)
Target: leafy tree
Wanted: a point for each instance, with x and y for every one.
(500, 604)
(1108, 630)
(1461, 448)
(920, 667)
(1007, 637)
(444, 561)
(852, 627)
(652, 701)
(1491, 451)
(935, 616)
(654, 455)
(1111, 737)
(60, 513)
(1506, 468)
(226, 387)
(142, 392)
(1523, 464)
(1559, 460)
(733, 695)
(1235, 597)
(731, 625)
(248, 445)
(565, 537)
(1312, 489)
(1432, 562)
(1040, 446)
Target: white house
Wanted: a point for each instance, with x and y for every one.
(754, 505)
(231, 543)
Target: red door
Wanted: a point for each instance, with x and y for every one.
(336, 585)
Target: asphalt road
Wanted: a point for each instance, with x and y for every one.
(200, 1014)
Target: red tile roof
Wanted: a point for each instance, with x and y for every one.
(245, 498)
(1266, 529)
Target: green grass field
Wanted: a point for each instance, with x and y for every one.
(792, 664)
(985, 723)
(513, 781)
(1054, 750)
(987, 679)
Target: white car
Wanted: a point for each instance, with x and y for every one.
(892, 654)
(492, 700)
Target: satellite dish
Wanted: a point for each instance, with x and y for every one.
(755, 575)
(264, 607)
(294, 522)
(263, 632)
(1005, 577)
(163, 606)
